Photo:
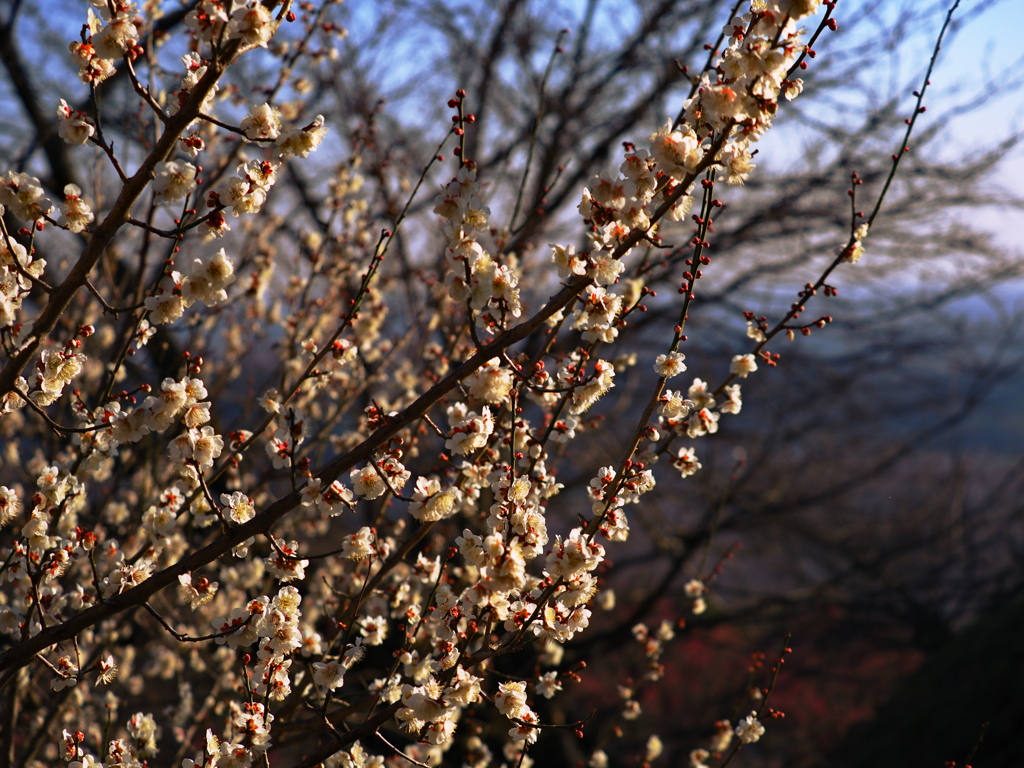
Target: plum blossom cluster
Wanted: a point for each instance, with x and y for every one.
(214, 21)
(435, 541)
(733, 106)
(610, 493)
(112, 34)
(852, 252)
(54, 371)
(24, 197)
(721, 122)
(488, 289)
(382, 476)
(695, 414)
(206, 281)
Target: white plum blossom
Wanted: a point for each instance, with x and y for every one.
(674, 404)
(162, 409)
(165, 307)
(567, 262)
(676, 150)
(608, 193)
(195, 69)
(247, 191)
(491, 383)
(207, 20)
(358, 545)
(596, 314)
(279, 450)
(702, 422)
(329, 675)
(301, 141)
(525, 733)
(192, 144)
(511, 699)
(330, 502)
(367, 482)
(654, 748)
(92, 68)
(240, 195)
(686, 462)
(197, 447)
(55, 370)
(733, 401)
(67, 674)
(196, 592)
(670, 364)
(125, 577)
(548, 685)
(749, 729)
(174, 181)
(431, 502)
(639, 168)
(207, 279)
(723, 103)
(700, 394)
(284, 564)
(737, 165)
(585, 396)
(73, 126)
(240, 508)
(604, 269)
(374, 629)
(262, 122)
(77, 214)
(470, 431)
(743, 365)
(145, 732)
(10, 505)
(252, 24)
(118, 36)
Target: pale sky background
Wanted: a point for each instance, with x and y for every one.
(987, 43)
(985, 47)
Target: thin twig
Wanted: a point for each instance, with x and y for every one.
(536, 128)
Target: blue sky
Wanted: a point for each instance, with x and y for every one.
(987, 45)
